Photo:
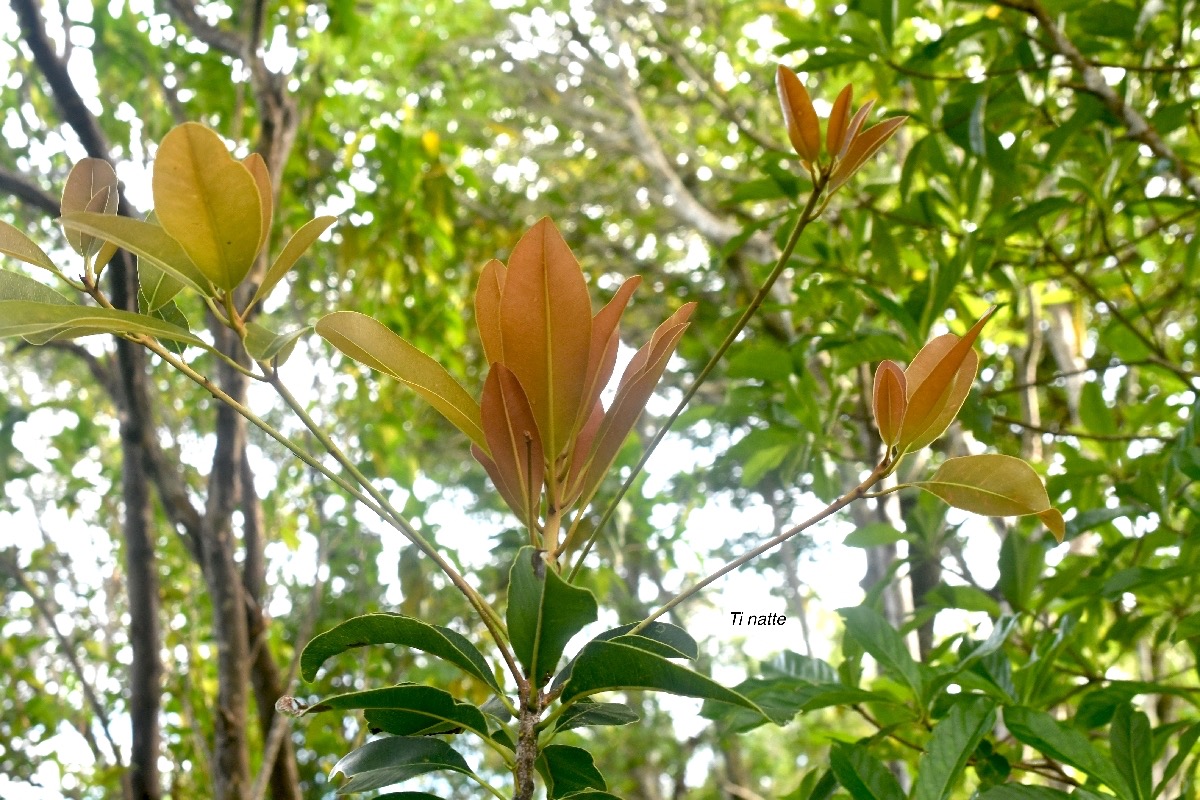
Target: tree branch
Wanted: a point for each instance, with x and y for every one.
(24, 189)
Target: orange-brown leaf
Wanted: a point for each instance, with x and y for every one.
(266, 194)
(803, 127)
(938, 381)
(835, 133)
(512, 438)
(650, 351)
(487, 310)
(890, 401)
(489, 466)
(602, 357)
(546, 325)
(854, 127)
(862, 147)
(583, 448)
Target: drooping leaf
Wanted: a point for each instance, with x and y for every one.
(145, 240)
(544, 612)
(994, 485)
(1132, 750)
(208, 202)
(16, 287)
(890, 401)
(873, 634)
(371, 629)
(292, 251)
(934, 389)
(863, 775)
(953, 741)
(514, 443)
(264, 344)
(863, 146)
(257, 168)
(394, 759)
(803, 126)
(18, 245)
(546, 323)
(487, 310)
(568, 770)
(1063, 743)
(91, 186)
(586, 713)
(24, 318)
(374, 344)
(605, 666)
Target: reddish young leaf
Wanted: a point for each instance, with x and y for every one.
(936, 393)
(650, 351)
(487, 310)
(584, 441)
(602, 357)
(854, 127)
(862, 147)
(803, 127)
(512, 437)
(489, 466)
(266, 194)
(890, 401)
(546, 326)
(995, 486)
(835, 132)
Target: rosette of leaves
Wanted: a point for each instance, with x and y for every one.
(540, 430)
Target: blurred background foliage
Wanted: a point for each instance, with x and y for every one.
(1047, 166)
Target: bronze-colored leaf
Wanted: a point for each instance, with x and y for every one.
(266, 194)
(934, 397)
(91, 186)
(208, 202)
(602, 357)
(854, 127)
(489, 466)
(546, 326)
(584, 442)
(839, 116)
(995, 486)
(862, 147)
(646, 354)
(512, 437)
(803, 126)
(890, 401)
(487, 310)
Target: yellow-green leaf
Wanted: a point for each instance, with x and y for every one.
(297, 246)
(803, 126)
(266, 194)
(91, 186)
(372, 343)
(546, 324)
(18, 245)
(23, 318)
(145, 240)
(263, 344)
(15, 286)
(208, 202)
(995, 486)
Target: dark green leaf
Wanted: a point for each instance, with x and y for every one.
(394, 759)
(420, 709)
(664, 633)
(586, 714)
(874, 635)
(862, 775)
(1018, 791)
(1132, 750)
(1186, 742)
(568, 770)
(1063, 743)
(544, 612)
(953, 741)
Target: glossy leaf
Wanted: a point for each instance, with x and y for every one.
(394, 759)
(23, 318)
(146, 240)
(546, 324)
(91, 186)
(265, 345)
(677, 641)
(544, 612)
(994, 485)
(372, 629)
(862, 775)
(803, 126)
(15, 286)
(1131, 743)
(585, 713)
(487, 310)
(605, 666)
(890, 401)
(935, 382)
(514, 443)
(1063, 743)
(422, 707)
(19, 246)
(873, 634)
(863, 146)
(208, 202)
(374, 344)
(296, 247)
(953, 741)
(568, 770)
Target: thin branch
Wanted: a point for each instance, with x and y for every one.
(1067, 432)
(22, 188)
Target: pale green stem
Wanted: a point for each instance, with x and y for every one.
(807, 215)
(849, 497)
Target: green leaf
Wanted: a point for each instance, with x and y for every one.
(605, 666)
(157, 287)
(296, 247)
(1064, 743)
(1132, 750)
(208, 202)
(568, 770)
(171, 314)
(544, 612)
(862, 775)
(873, 535)
(1019, 791)
(145, 240)
(372, 343)
(58, 321)
(18, 245)
(1186, 742)
(15, 286)
(874, 635)
(371, 629)
(994, 485)
(266, 345)
(670, 636)
(953, 741)
(420, 708)
(394, 759)
(586, 713)
(408, 796)
(589, 794)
